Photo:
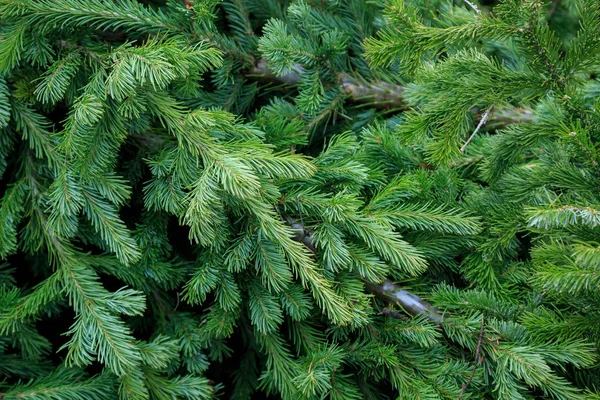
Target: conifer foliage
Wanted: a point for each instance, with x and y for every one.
(299, 199)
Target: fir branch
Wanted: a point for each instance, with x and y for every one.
(543, 42)
(388, 291)
(378, 94)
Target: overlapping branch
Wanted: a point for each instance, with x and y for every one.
(388, 291)
(380, 94)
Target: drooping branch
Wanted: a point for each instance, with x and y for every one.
(388, 291)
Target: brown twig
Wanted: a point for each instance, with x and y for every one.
(475, 362)
(379, 94)
(393, 314)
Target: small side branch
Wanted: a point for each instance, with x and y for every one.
(481, 123)
(475, 362)
(393, 314)
(473, 6)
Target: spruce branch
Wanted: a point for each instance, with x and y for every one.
(542, 42)
(146, 144)
(387, 291)
(378, 94)
(381, 95)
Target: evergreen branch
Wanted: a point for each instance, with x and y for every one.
(546, 59)
(113, 342)
(11, 212)
(11, 50)
(411, 303)
(429, 217)
(319, 305)
(563, 217)
(4, 103)
(105, 220)
(62, 384)
(35, 129)
(378, 94)
(544, 45)
(125, 15)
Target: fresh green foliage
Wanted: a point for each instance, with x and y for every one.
(209, 198)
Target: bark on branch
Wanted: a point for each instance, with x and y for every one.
(411, 303)
(379, 94)
(388, 291)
